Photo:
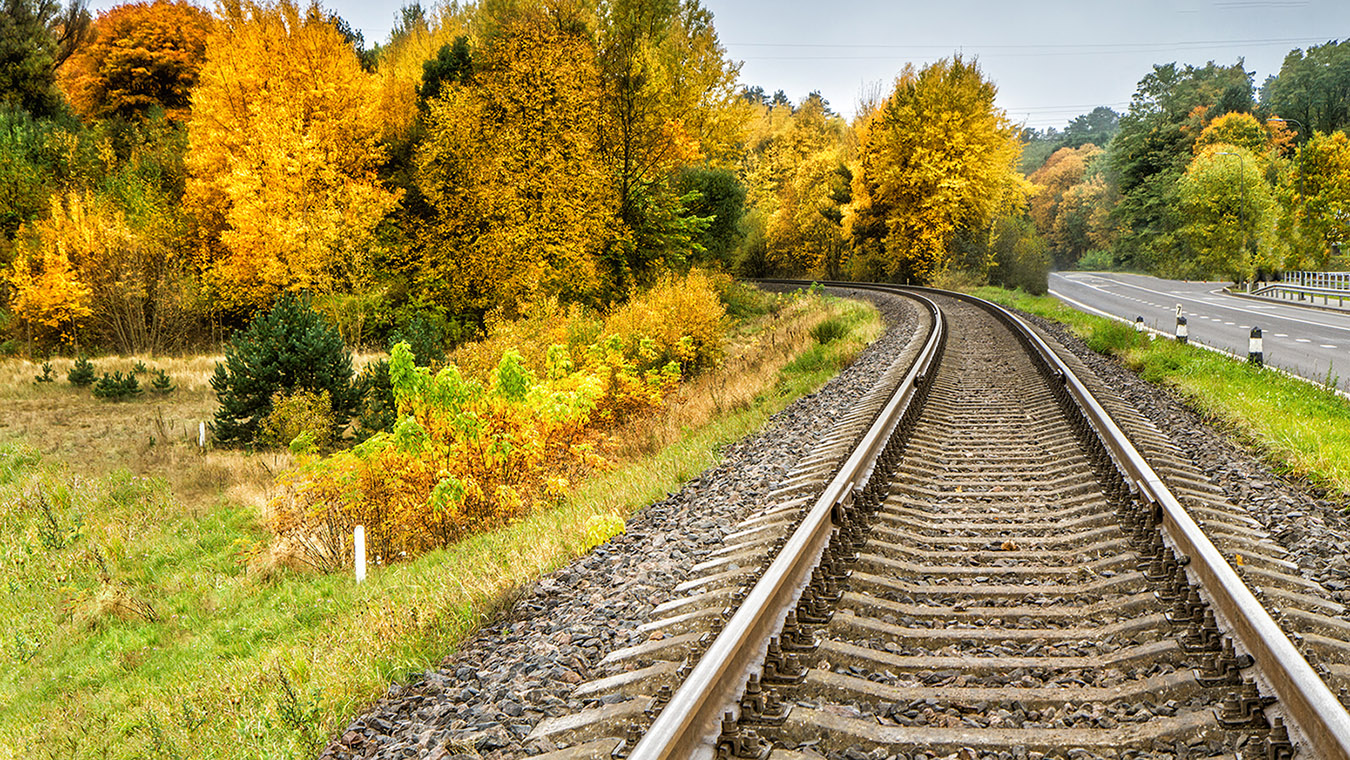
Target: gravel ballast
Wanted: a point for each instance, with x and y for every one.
(486, 697)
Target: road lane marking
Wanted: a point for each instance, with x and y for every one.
(1214, 300)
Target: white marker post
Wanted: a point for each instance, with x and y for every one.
(1138, 324)
(360, 551)
(201, 435)
(1255, 354)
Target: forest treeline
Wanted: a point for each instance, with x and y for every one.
(167, 172)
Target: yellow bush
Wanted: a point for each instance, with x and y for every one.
(528, 415)
(680, 319)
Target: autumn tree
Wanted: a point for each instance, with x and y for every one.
(1321, 208)
(522, 203)
(937, 159)
(283, 157)
(1230, 216)
(797, 177)
(140, 56)
(1066, 169)
(667, 98)
(1240, 129)
(47, 295)
(419, 37)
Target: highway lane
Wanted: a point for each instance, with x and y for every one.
(1307, 342)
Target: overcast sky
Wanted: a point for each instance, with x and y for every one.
(1052, 60)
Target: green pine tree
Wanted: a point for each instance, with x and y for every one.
(288, 349)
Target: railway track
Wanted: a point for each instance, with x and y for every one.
(981, 562)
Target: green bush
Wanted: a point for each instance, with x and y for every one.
(139, 368)
(286, 350)
(303, 413)
(47, 375)
(1112, 338)
(82, 374)
(117, 387)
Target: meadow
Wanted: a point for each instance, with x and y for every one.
(152, 613)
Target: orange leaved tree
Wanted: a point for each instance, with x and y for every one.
(140, 55)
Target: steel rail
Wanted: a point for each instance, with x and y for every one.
(687, 727)
(1310, 705)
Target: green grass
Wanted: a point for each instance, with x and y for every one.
(137, 627)
(1301, 428)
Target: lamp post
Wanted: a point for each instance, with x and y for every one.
(1242, 204)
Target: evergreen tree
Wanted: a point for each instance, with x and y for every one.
(288, 349)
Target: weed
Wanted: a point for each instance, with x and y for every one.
(25, 649)
(601, 528)
(829, 330)
(302, 715)
(1331, 382)
(47, 375)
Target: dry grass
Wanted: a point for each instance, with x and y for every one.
(754, 357)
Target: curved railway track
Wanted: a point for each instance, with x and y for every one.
(978, 562)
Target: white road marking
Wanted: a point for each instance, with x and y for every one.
(1327, 345)
(1302, 340)
(1214, 300)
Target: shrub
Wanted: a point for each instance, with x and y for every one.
(679, 320)
(464, 454)
(288, 349)
(377, 412)
(82, 374)
(47, 375)
(117, 387)
(302, 413)
(139, 368)
(161, 383)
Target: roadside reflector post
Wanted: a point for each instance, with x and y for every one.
(1138, 324)
(1183, 332)
(201, 435)
(1255, 355)
(359, 539)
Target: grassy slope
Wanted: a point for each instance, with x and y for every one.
(145, 624)
(1301, 428)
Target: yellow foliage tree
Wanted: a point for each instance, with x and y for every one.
(47, 293)
(1235, 128)
(522, 202)
(1068, 203)
(938, 159)
(283, 154)
(416, 40)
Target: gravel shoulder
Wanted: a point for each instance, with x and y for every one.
(487, 696)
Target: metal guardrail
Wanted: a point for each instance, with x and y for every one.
(1304, 290)
(689, 723)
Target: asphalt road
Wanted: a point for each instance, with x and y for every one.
(1307, 342)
